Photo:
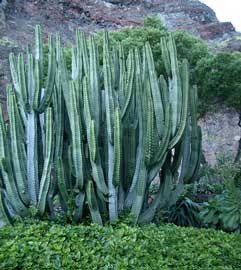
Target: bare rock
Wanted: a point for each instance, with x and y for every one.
(221, 134)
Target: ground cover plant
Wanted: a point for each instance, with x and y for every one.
(53, 246)
(224, 210)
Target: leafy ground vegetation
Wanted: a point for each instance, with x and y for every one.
(53, 246)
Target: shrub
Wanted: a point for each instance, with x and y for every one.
(118, 247)
(224, 211)
(184, 213)
(212, 179)
(217, 75)
(190, 47)
(207, 185)
(218, 78)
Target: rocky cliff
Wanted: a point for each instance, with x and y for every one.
(91, 15)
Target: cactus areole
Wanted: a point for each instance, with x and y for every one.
(92, 139)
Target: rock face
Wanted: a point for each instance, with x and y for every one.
(18, 18)
(221, 135)
(64, 16)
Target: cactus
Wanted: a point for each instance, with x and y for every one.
(96, 137)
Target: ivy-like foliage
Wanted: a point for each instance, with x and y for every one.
(92, 247)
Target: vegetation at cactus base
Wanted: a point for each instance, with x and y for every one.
(53, 246)
(223, 211)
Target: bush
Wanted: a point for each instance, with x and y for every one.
(184, 213)
(217, 75)
(212, 179)
(224, 211)
(47, 246)
(219, 80)
(191, 48)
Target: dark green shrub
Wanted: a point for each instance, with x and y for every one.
(190, 47)
(212, 179)
(224, 211)
(219, 80)
(210, 212)
(118, 247)
(184, 213)
(217, 75)
(205, 185)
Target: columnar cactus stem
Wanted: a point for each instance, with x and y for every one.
(109, 103)
(48, 159)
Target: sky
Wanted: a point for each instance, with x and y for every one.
(227, 10)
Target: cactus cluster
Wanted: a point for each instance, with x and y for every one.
(97, 135)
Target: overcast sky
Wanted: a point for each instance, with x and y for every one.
(227, 10)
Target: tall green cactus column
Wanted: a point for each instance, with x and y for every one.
(27, 103)
(109, 103)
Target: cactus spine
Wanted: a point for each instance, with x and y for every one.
(98, 134)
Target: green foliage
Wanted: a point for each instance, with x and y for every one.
(209, 183)
(224, 211)
(217, 75)
(184, 213)
(52, 246)
(190, 47)
(218, 78)
(209, 214)
(227, 170)
(212, 179)
(154, 22)
(205, 185)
